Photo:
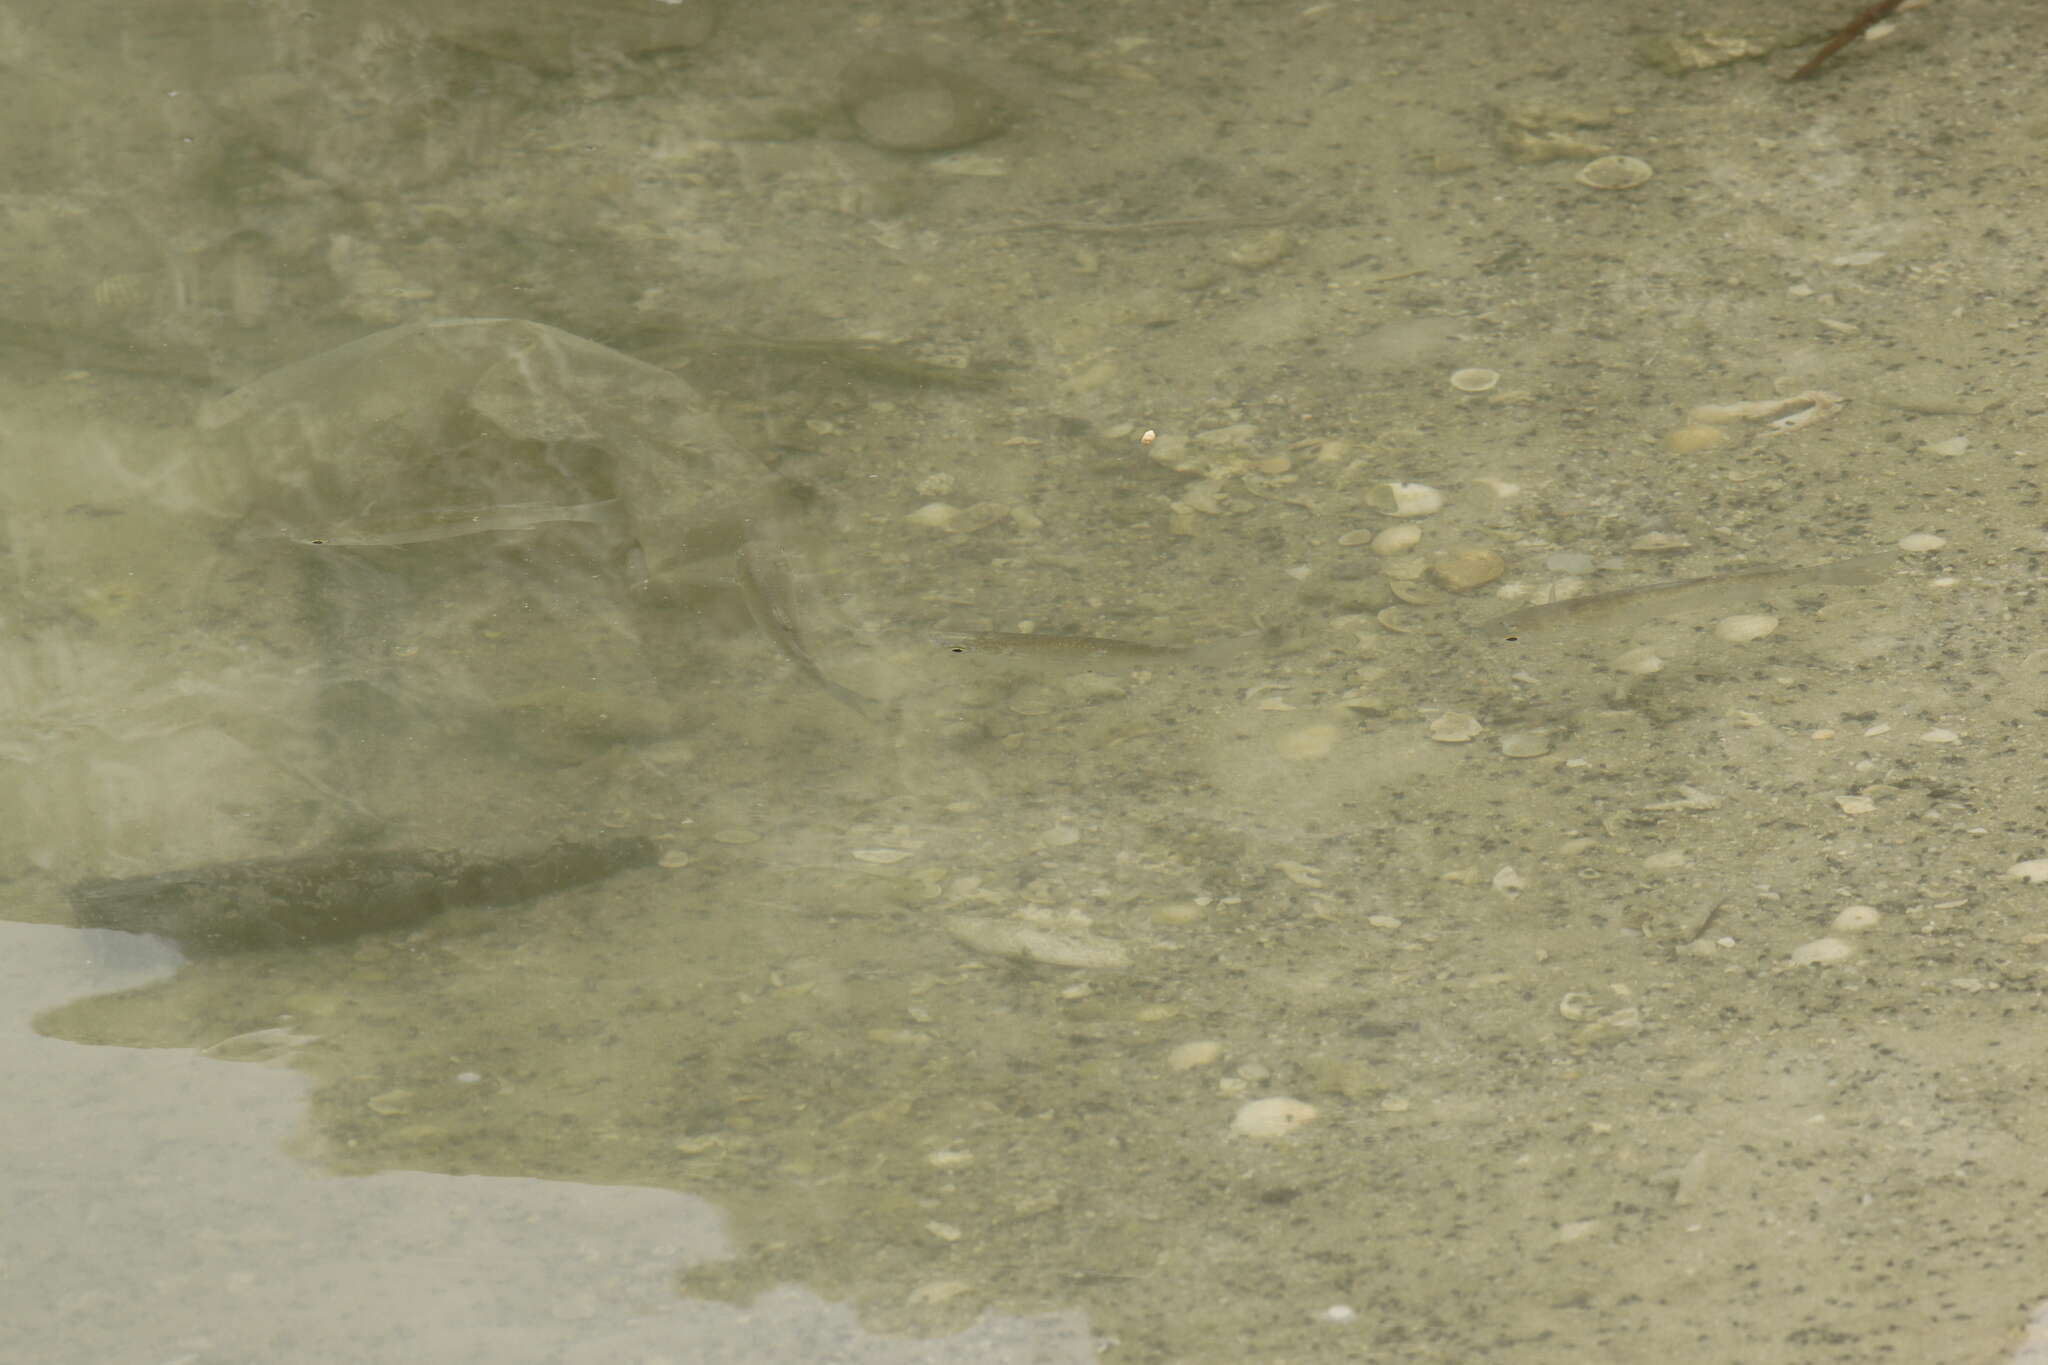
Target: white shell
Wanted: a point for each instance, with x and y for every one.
(1271, 1118)
(1737, 630)
(1614, 173)
(1474, 381)
(1822, 951)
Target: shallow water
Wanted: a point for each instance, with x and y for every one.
(1384, 990)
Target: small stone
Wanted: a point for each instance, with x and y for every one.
(1855, 918)
(1694, 439)
(1396, 540)
(1455, 727)
(907, 104)
(1268, 248)
(1921, 542)
(1404, 499)
(2034, 872)
(1822, 951)
(1659, 542)
(1614, 173)
(882, 855)
(1641, 662)
(1739, 630)
(1188, 1056)
(1308, 742)
(1524, 744)
(1271, 1118)
(1469, 568)
(1474, 381)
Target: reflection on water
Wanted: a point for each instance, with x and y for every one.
(836, 680)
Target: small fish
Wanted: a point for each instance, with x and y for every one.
(1085, 651)
(1654, 601)
(767, 583)
(323, 897)
(447, 523)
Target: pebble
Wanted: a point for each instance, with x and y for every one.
(907, 104)
(1921, 542)
(1641, 662)
(1404, 499)
(1525, 744)
(1188, 1056)
(1821, 952)
(1614, 173)
(1474, 381)
(1396, 540)
(1852, 918)
(1271, 1118)
(1738, 630)
(1694, 439)
(1308, 742)
(2034, 872)
(1268, 248)
(1455, 727)
(1465, 569)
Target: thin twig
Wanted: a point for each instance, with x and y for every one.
(1849, 34)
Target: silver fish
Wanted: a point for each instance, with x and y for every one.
(1677, 597)
(767, 582)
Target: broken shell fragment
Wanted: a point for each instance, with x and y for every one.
(1614, 173)
(907, 104)
(1404, 499)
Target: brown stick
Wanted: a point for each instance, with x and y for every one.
(1849, 34)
